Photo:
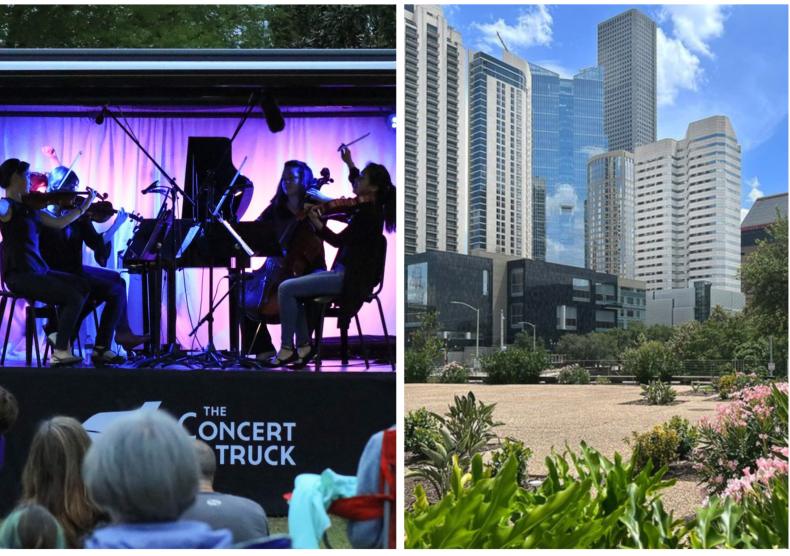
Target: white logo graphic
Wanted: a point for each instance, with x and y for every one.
(98, 423)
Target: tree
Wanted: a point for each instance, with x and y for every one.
(764, 278)
(332, 26)
(197, 26)
(426, 347)
(133, 26)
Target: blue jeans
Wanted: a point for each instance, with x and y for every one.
(291, 295)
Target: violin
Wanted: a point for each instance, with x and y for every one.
(341, 206)
(101, 211)
(64, 199)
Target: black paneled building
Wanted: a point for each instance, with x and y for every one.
(435, 279)
(558, 299)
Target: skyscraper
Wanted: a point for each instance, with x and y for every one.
(627, 54)
(500, 167)
(435, 133)
(688, 208)
(609, 221)
(567, 128)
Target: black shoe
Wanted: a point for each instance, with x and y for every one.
(275, 361)
(107, 357)
(302, 361)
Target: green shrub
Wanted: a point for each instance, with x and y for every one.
(658, 393)
(455, 373)
(515, 366)
(465, 431)
(651, 361)
(573, 375)
(511, 448)
(687, 435)
(598, 504)
(418, 365)
(422, 428)
(602, 380)
(658, 445)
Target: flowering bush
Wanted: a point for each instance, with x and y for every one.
(455, 373)
(573, 374)
(741, 433)
(727, 385)
(758, 484)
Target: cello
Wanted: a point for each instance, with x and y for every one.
(300, 248)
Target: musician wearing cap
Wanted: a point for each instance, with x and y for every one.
(24, 270)
(62, 251)
(353, 274)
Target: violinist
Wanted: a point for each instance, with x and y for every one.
(295, 182)
(62, 251)
(352, 276)
(24, 271)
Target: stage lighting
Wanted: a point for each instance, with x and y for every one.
(393, 119)
(100, 118)
(274, 118)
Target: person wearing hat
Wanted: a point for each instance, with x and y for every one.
(24, 271)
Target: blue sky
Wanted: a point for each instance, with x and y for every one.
(713, 60)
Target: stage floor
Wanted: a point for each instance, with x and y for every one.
(328, 366)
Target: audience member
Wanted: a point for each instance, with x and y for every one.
(53, 477)
(31, 526)
(9, 410)
(143, 471)
(243, 517)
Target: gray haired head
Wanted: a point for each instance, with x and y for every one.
(142, 469)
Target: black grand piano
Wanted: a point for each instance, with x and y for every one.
(195, 240)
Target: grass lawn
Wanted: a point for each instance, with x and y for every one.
(336, 533)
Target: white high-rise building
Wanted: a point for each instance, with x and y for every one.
(435, 133)
(688, 196)
(500, 155)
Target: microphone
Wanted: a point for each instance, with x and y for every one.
(151, 187)
(100, 118)
(274, 118)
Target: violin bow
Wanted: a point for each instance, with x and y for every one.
(72, 166)
(346, 145)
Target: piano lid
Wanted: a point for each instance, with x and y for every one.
(209, 171)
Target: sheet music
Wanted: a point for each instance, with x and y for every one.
(188, 239)
(237, 237)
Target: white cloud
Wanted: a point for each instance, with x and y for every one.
(532, 28)
(756, 192)
(744, 212)
(679, 67)
(695, 25)
(557, 67)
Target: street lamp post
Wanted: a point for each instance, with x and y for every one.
(522, 323)
(477, 336)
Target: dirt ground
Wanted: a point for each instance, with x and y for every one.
(548, 415)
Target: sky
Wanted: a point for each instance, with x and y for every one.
(712, 60)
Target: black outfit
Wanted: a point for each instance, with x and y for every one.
(359, 249)
(280, 217)
(26, 274)
(62, 250)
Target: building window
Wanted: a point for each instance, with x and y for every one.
(604, 293)
(516, 314)
(566, 317)
(581, 289)
(485, 282)
(517, 282)
(604, 320)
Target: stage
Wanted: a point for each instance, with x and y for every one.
(266, 427)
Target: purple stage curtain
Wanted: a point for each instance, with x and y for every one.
(112, 164)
